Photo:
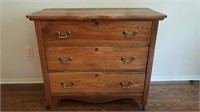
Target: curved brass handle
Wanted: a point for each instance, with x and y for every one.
(127, 61)
(62, 36)
(134, 33)
(61, 59)
(64, 85)
(128, 85)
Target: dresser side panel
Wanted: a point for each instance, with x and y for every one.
(150, 61)
(43, 61)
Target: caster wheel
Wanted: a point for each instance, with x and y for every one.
(48, 107)
(143, 108)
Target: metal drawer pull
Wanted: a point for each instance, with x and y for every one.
(127, 61)
(62, 36)
(61, 59)
(128, 85)
(125, 32)
(64, 85)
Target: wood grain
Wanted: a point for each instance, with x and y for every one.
(97, 58)
(163, 96)
(96, 83)
(96, 43)
(100, 13)
(96, 33)
(150, 61)
(43, 61)
(98, 98)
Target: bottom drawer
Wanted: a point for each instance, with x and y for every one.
(90, 82)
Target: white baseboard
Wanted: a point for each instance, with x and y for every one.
(154, 78)
(21, 81)
(175, 78)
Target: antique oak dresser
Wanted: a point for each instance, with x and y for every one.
(96, 55)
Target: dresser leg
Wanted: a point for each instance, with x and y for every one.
(48, 107)
(143, 107)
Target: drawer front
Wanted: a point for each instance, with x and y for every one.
(90, 82)
(96, 58)
(99, 33)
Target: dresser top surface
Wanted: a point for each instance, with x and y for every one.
(97, 13)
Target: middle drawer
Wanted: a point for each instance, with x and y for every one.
(96, 58)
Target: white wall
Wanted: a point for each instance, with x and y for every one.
(199, 32)
(176, 56)
(0, 39)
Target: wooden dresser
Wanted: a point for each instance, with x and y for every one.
(96, 55)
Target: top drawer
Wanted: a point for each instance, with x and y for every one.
(96, 33)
